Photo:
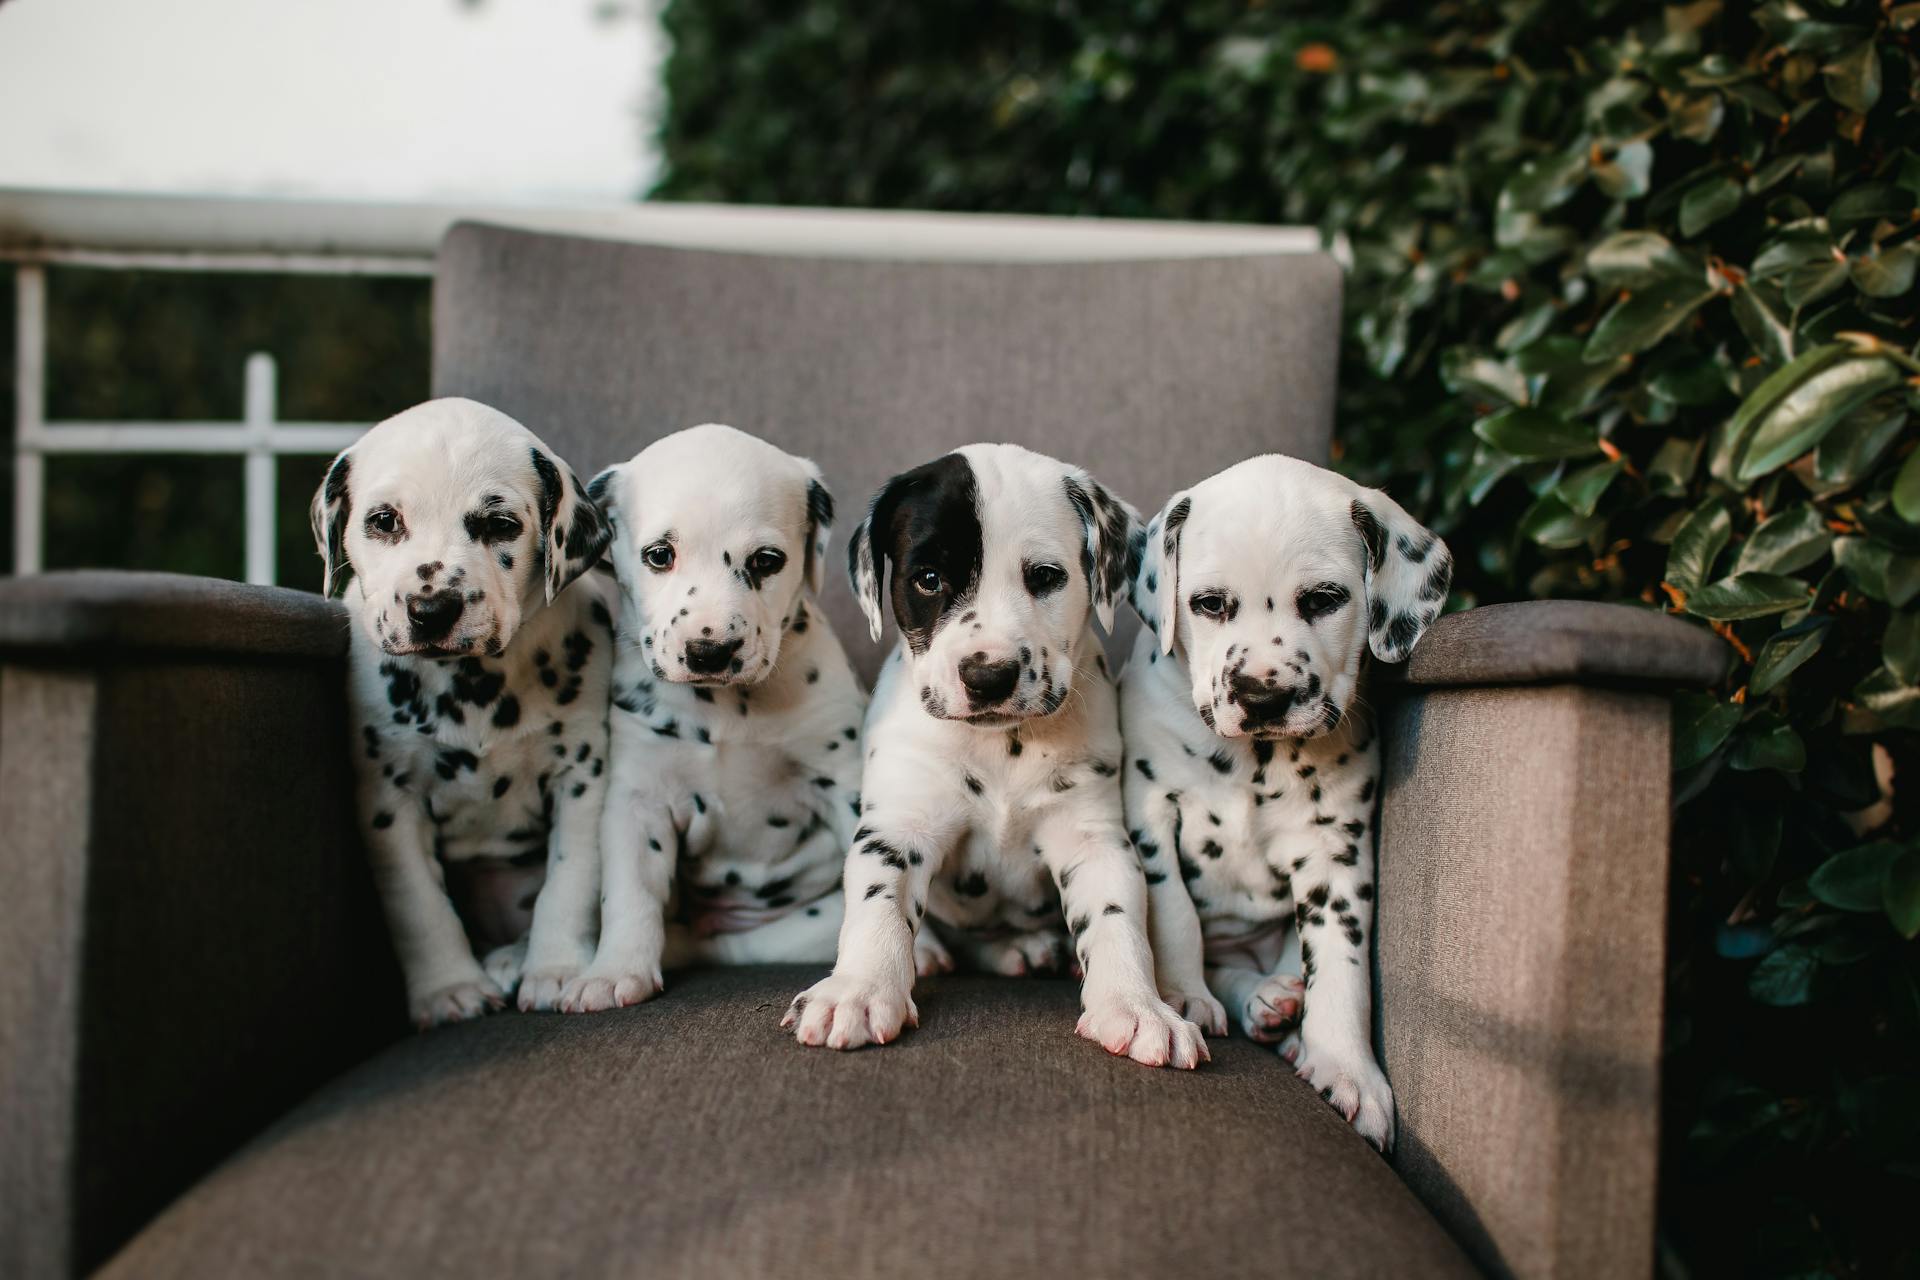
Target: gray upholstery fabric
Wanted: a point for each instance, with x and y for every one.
(1544, 640)
(1522, 916)
(1151, 374)
(690, 1137)
(112, 611)
(188, 936)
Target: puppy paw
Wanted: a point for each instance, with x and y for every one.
(1148, 1031)
(1026, 953)
(1351, 1081)
(930, 955)
(503, 965)
(1201, 1009)
(845, 1012)
(541, 989)
(1272, 1011)
(456, 1002)
(600, 987)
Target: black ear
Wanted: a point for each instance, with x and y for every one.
(819, 528)
(573, 531)
(1155, 571)
(1108, 525)
(1408, 571)
(332, 502)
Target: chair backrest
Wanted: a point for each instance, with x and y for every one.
(1150, 373)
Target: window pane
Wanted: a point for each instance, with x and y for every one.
(184, 513)
(296, 562)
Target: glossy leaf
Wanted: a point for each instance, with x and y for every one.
(1629, 259)
(1775, 747)
(1785, 652)
(1786, 543)
(1855, 880)
(1701, 722)
(1747, 595)
(1698, 544)
(1795, 422)
(1784, 978)
(1707, 203)
(1877, 570)
(1901, 894)
(1901, 645)
(1906, 489)
(1646, 316)
(1534, 434)
(1853, 79)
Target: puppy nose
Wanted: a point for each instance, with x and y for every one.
(709, 657)
(988, 682)
(433, 615)
(1261, 702)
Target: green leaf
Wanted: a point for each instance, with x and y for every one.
(1849, 450)
(1855, 880)
(1784, 978)
(1583, 489)
(1906, 488)
(1690, 382)
(1747, 595)
(1761, 312)
(1673, 465)
(1870, 202)
(1853, 79)
(1707, 203)
(1465, 372)
(1701, 722)
(1787, 543)
(1902, 894)
(1629, 259)
(1535, 435)
(1878, 570)
(1815, 280)
(1900, 646)
(1890, 699)
(1775, 746)
(1886, 275)
(1697, 544)
(1785, 652)
(1624, 175)
(1795, 422)
(1545, 181)
(1647, 315)
(1551, 523)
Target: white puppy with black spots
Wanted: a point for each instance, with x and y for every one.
(477, 680)
(735, 774)
(1252, 766)
(991, 804)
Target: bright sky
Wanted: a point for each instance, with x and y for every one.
(400, 99)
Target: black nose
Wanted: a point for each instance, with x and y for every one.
(433, 615)
(988, 682)
(710, 657)
(1261, 702)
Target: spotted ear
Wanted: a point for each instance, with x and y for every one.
(331, 503)
(866, 565)
(819, 527)
(1154, 570)
(1109, 525)
(573, 531)
(1408, 570)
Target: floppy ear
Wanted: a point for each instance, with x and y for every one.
(866, 567)
(1154, 571)
(819, 528)
(331, 503)
(1109, 525)
(1408, 570)
(573, 532)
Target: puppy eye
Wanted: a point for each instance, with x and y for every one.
(766, 562)
(384, 521)
(659, 556)
(1317, 602)
(1044, 579)
(927, 582)
(500, 528)
(1209, 604)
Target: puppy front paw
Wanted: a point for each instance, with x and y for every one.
(609, 985)
(456, 1002)
(1351, 1081)
(1148, 1031)
(541, 989)
(930, 955)
(1201, 1009)
(845, 1012)
(1272, 1011)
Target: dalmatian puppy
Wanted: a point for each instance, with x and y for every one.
(1252, 765)
(477, 680)
(991, 802)
(735, 776)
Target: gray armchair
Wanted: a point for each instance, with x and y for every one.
(203, 1066)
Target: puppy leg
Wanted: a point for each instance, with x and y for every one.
(803, 936)
(638, 838)
(868, 997)
(1173, 926)
(561, 939)
(1333, 888)
(1105, 900)
(444, 981)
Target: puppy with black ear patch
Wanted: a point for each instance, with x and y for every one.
(991, 803)
(1252, 767)
(735, 775)
(477, 678)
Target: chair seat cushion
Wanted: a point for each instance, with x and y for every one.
(692, 1137)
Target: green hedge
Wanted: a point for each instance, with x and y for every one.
(1631, 318)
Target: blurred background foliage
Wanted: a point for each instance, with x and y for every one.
(1631, 317)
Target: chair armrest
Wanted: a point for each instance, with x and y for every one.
(189, 939)
(1522, 926)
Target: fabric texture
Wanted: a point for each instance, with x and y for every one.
(1521, 952)
(691, 1137)
(114, 612)
(1153, 375)
(1537, 641)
